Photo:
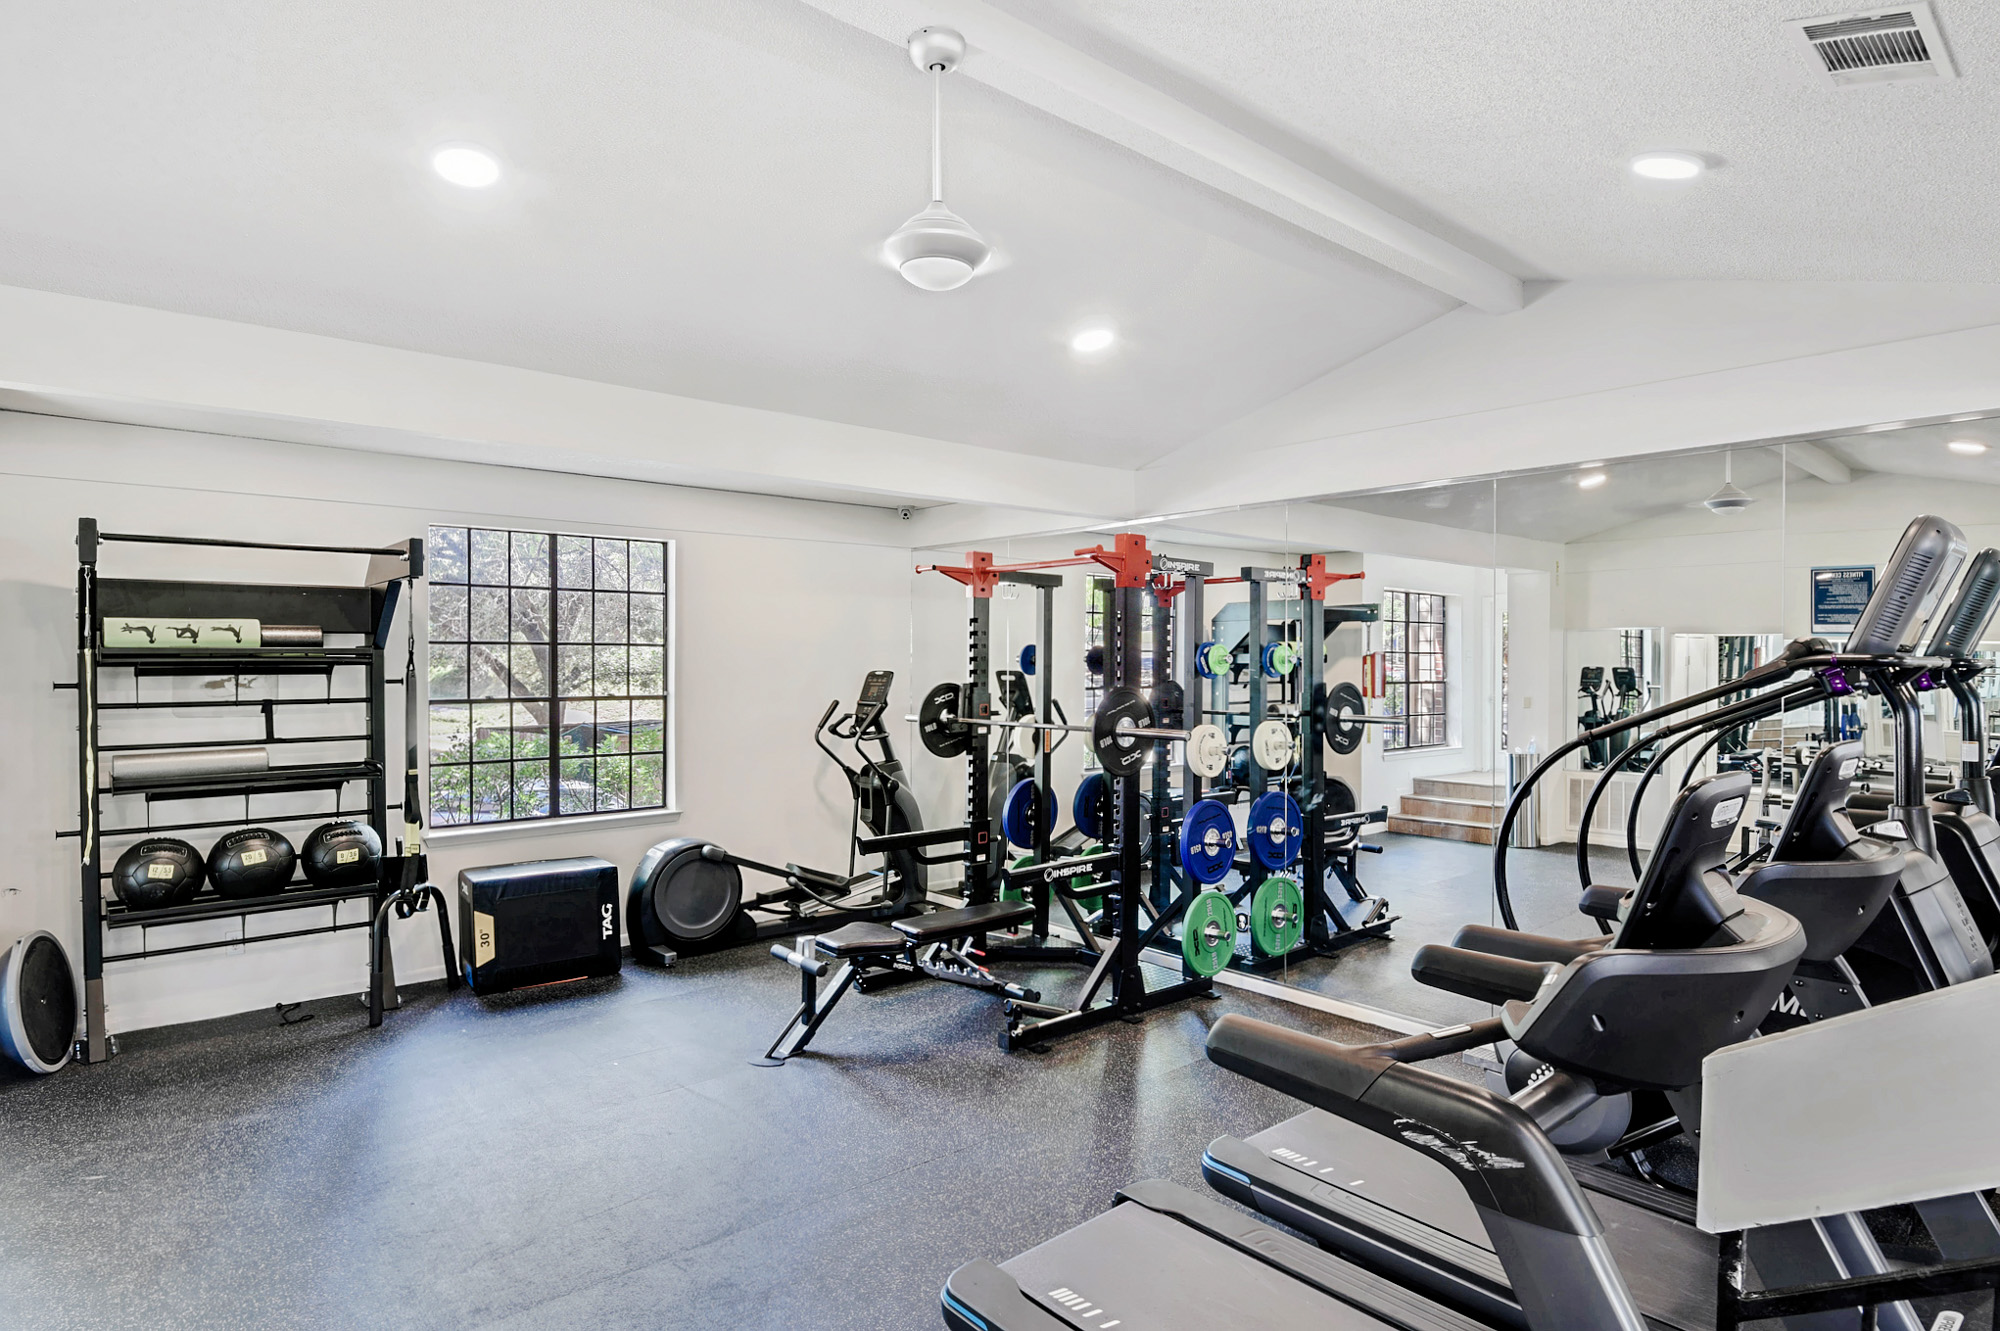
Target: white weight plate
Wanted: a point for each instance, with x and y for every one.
(1271, 745)
(1207, 751)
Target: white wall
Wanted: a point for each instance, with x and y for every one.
(770, 627)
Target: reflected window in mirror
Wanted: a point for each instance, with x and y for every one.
(1414, 670)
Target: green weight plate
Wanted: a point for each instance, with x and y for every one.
(1010, 892)
(1208, 933)
(1215, 659)
(1277, 916)
(1280, 659)
(1083, 880)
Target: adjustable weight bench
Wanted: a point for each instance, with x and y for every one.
(938, 944)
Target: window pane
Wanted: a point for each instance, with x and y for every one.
(451, 733)
(451, 789)
(649, 729)
(492, 733)
(489, 614)
(649, 566)
(649, 787)
(614, 727)
(573, 671)
(531, 616)
(489, 557)
(447, 671)
(609, 626)
(448, 614)
(531, 670)
(577, 790)
(611, 565)
(531, 790)
(489, 672)
(531, 732)
(531, 559)
(573, 616)
(614, 783)
(649, 666)
(649, 619)
(492, 792)
(573, 563)
(444, 555)
(610, 671)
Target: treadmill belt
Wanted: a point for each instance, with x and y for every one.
(1137, 1268)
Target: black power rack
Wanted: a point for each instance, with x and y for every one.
(366, 612)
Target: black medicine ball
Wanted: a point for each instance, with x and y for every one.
(345, 854)
(158, 872)
(254, 862)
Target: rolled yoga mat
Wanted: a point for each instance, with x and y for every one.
(293, 635)
(181, 764)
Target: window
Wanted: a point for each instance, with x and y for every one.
(1413, 670)
(548, 675)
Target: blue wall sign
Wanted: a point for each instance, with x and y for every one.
(1838, 595)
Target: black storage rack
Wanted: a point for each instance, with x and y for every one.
(366, 611)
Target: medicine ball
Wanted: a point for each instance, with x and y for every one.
(254, 862)
(346, 854)
(160, 871)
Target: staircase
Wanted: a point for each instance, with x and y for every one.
(1456, 808)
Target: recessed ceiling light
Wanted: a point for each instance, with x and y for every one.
(467, 166)
(1969, 447)
(1590, 480)
(1092, 339)
(1668, 166)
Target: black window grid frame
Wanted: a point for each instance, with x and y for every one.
(1415, 673)
(550, 660)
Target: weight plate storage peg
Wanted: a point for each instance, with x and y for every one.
(1208, 934)
(1280, 659)
(1276, 829)
(938, 726)
(1207, 751)
(1208, 842)
(1090, 807)
(1117, 753)
(1337, 718)
(1018, 820)
(1277, 916)
(1271, 745)
(1211, 660)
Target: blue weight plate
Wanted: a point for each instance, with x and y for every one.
(1087, 808)
(1275, 829)
(1017, 818)
(1208, 841)
(1028, 659)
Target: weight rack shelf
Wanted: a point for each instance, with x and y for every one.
(208, 906)
(364, 611)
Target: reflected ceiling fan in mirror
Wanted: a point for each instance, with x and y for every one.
(1728, 499)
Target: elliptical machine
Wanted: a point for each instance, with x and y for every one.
(687, 893)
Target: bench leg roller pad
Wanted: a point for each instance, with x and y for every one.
(537, 923)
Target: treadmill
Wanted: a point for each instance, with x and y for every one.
(1637, 1014)
(1478, 1190)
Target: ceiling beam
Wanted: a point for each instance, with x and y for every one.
(1817, 461)
(1047, 73)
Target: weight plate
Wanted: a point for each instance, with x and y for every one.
(1208, 933)
(1002, 775)
(1168, 698)
(1207, 751)
(1018, 819)
(1208, 841)
(1271, 745)
(1275, 829)
(1090, 807)
(1343, 701)
(1280, 659)
(1339, 796)
(938, 725)
(1090, 879)
(1121, 754)
(1211, 660)
(1277, 916)
(1028, 659)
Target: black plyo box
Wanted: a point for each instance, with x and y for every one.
(537, 923)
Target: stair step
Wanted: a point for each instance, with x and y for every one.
(1442, 828)
(1451, 811)
(1467, 787)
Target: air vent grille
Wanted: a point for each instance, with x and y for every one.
(1876, 46)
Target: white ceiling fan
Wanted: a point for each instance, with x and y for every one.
(937, 249)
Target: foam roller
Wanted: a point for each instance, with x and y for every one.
(183, 764)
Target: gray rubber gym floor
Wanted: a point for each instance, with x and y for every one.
(600, 1156)
(1435, 887)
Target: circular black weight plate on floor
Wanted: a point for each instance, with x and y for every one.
(37, 1003)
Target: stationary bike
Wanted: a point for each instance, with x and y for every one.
(687, 893)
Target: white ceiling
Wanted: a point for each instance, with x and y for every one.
(1513, 121)
(696, 197)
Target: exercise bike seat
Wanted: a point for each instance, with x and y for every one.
(863, 938)
(963, 921)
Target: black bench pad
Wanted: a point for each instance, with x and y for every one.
(860, 939)
(965, 920)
